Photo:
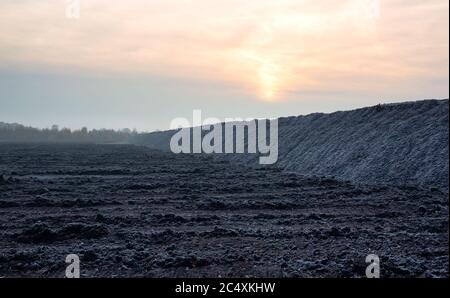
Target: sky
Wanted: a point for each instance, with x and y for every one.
(141, 63)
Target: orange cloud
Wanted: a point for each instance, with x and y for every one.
(268, 48)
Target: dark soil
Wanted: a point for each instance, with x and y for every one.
(128, 211)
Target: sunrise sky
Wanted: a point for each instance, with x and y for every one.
(140, 63)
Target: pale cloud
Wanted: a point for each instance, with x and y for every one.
(269, 48)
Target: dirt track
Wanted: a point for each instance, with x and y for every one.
(128, 211)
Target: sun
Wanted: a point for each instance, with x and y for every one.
(268, 81)
(263, 74)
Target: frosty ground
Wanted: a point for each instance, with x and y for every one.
(129, 211)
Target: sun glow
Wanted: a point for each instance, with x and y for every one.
(268, 80)
(264, 75)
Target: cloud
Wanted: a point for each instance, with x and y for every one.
(268, 48)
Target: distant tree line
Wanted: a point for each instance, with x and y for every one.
(20, 133)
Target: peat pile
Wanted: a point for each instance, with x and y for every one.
(395, 144)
